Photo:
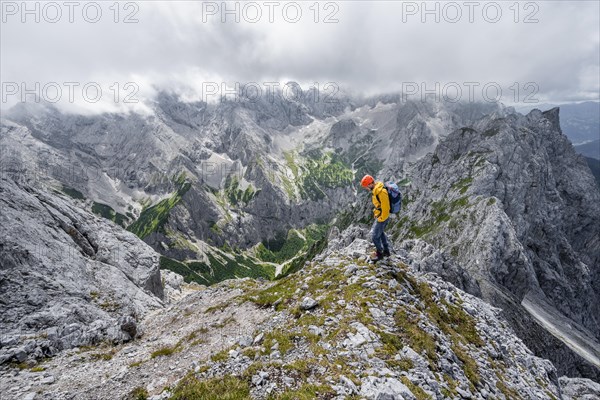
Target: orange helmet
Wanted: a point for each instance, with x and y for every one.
(366, 180)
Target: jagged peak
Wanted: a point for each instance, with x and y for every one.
(552, 115)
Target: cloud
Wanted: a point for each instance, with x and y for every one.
(374, 47)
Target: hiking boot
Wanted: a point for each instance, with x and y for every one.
(376, 256)
(386, 252)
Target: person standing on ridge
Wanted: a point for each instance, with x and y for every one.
(381, 213)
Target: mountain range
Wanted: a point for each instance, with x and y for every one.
(497, 204)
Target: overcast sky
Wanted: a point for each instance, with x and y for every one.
(549, 50)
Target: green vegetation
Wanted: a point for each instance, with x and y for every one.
(404, 364)
(152, 219)
(236, 266)
(165, 351)
(76, 194)
(327, 171)
(139, 393)
(258, 366)
(550, 395)
(302, 367)
(283, 289)
(508, 392)
(22, 365)
(278, 251)
(191, 272)
(220, 266)
(417, 325)
(179, 241)
(362, 161)
(292, 249)
(415, 389)
(298, 243)
(107, 212)
(104, 356)
(403, 182)
(470, 367)
(284, 338)
(450, 392)
(235, 195)
(391, 341)
(345, 218)
(288, 181)
(225, 322)
(220, 356)
(408, 323)
(216, 307)
(289, 158)
(452, 320)
(419, 340)
(463, 185)
(459, 203)
(440, 213)
(316, 241)
(136, 364)
(289, 187)
(491, 132)
(282, 293)
(103, 210)
(197, 337)
(228, 387)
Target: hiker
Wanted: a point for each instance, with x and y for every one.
(381, 213)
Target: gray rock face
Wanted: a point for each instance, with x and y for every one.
(308, 303)
(432, 260)
(578, 388)
(553, 206)
(67, 277)
(172, 284)
(513, 203)
(374, 388)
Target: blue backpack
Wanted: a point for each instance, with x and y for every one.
(395, 197)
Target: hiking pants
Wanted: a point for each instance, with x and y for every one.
(378, 235)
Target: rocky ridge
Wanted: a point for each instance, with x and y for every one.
(341, 328)
(510, 201)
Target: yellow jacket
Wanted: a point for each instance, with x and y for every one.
(381, 201)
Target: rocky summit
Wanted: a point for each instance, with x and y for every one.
(219, 251)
